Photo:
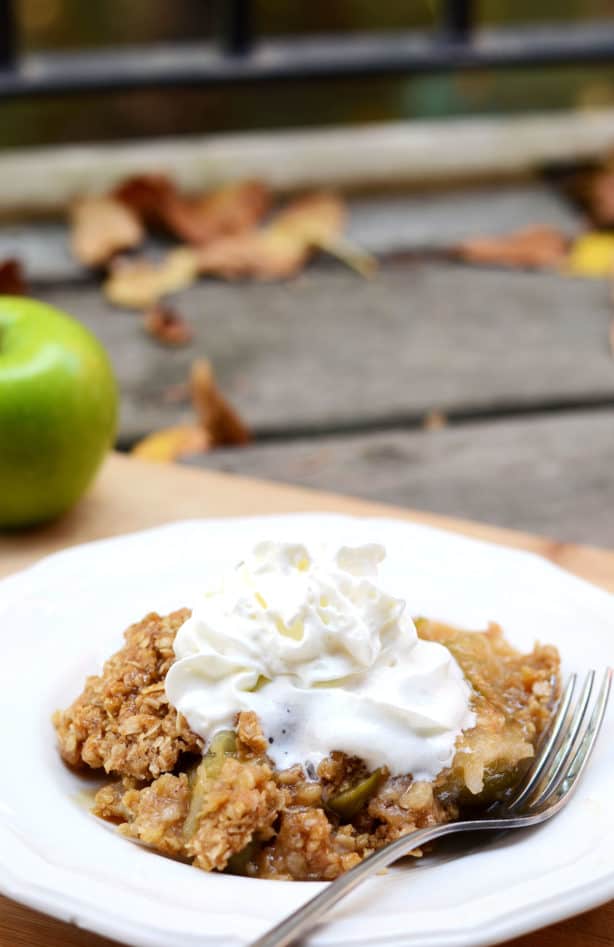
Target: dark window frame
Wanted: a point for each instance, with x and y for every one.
(238, 57)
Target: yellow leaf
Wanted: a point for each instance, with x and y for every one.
(313, 219)
(592, 255)
(171, 443)
(139, 284)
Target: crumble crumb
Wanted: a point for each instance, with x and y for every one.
(158, 812)
(249, 734)
(305, 849)
(242, 802)
(123, 722)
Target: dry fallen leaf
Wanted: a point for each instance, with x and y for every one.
(145, 194)
(318, 221)
(599, 194)
(12, 281)
(172, 443)
(167, 326)
(236, 208)
(533, 248)
(216, 416)
(281, 250)
(101, 227)
(219, 423)
(155, 198)
(263, 254)
(233, 209)
(139, 284)
(315, 219)
(221, 226)
(592, 254)
(594, 189)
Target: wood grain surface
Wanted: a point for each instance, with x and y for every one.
(330, 351)
(130, 495)
(535, 472)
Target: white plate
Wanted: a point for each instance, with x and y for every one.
(61, 618)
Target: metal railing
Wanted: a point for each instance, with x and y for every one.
(237, 56)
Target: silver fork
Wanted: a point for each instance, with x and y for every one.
(547, 786)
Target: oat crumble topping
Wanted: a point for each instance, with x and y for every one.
(232, 810)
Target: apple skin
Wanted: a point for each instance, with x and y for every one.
(58, 410)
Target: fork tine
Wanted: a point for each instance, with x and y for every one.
(587, 744)
(547, 750)
(570, 746)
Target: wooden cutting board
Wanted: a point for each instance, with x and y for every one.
(131, 495)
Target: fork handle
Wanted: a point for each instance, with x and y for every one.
(301, 921)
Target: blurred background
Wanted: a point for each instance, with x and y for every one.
(437, 333)
(62, 25)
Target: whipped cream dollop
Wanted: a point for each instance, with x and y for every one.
(326, 659)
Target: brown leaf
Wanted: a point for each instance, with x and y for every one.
(167, 326)
(230, 210)
(595, 190)
(236, 208)
(533, 248)
(12, 281)
(145, 194)
(101, 227)
(262, 254)
(219, 423)
(216, 416)
(233, 209)
(172, 443)
(155, 198)
(139, 284)
(280, 250)
(601, 198)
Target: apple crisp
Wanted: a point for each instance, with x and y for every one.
(232, 810)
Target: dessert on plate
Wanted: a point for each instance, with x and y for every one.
(297, 718)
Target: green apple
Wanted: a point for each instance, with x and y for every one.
(58, 410)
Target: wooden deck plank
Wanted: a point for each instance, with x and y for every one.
(130, 494)
(385, 224)
(551, 474)
(42, 248)
(367, 154)
(379, 223)
(332, 350)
